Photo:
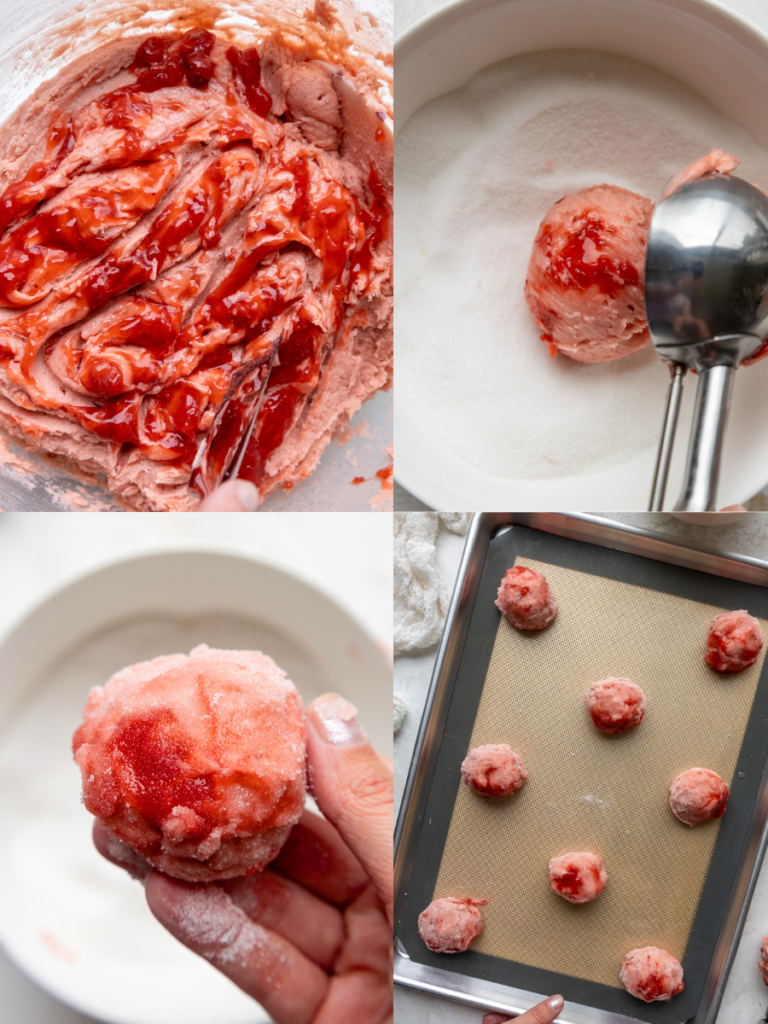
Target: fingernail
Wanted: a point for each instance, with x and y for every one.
(555, 1003)
(336, 721)
(247, 495)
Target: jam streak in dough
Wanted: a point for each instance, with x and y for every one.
(115, 309)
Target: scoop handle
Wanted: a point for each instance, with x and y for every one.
(667, 439)
(702, 471)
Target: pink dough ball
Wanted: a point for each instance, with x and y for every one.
(493, 770)
(615, 704)
(525, 600)
(651, 974)
(735, 640)
(584, 286)
(698, 795)
(196, 761)
(450, 925)
(577, 877)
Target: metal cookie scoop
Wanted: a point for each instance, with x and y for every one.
(706, 296)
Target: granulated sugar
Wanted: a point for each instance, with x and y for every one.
(209, 919)
(476, 172)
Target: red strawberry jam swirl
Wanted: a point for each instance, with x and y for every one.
(172, 231)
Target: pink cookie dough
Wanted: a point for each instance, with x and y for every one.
(524, 598)
(493, 770)
(585, 278)
(698, 795)
(577, 877)
(196, 761)
(615, 704)
(762, 963)
(651, 974)
(715, 162)
(450, 925)
(734, 642)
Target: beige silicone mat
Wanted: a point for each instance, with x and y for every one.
(590, 791)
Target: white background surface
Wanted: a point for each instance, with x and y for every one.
(746, 996)
(347, 555)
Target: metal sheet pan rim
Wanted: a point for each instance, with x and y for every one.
(606, 533)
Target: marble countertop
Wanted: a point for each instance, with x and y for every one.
(746, 997)
(348, 556)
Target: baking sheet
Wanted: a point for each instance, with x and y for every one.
(619, 615)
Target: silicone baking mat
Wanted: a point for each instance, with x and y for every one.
(668, 884)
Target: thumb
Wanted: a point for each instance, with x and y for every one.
(352, 786)
(233, 496)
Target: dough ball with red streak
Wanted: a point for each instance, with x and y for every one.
(615, 704)
(698, 795)
(196, 761)
(577, 877)
(525, 600)
(651, 974)
(762, 963)
(735, 640)
(450, 925)
(585, 278)
(493, 770)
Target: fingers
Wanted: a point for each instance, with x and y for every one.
(543, 1013)
(260, 962)
(352, 786)
(361, 989)
(233, 496)
(316, 857)
(114, 850)
(313, 926)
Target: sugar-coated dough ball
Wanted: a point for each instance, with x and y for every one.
(651, 974)
(615, 704)
(196, 761)
(698, 795)
(525, 600)
(449, 925)
(493, 770)
(577, 877)
(762, 963)
(734, 642)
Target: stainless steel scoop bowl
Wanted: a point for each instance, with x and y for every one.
(706, 296)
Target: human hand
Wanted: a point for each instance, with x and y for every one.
(233, 496)
(543, 1013)
(310, 937)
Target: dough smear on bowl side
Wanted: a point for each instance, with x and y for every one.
(762, 963)
(171, 209)
(698, 795)
(577, 877)
(734, 642)
(651, 974)
(525, 600)
(450, 925)
(615, 704)
(197, 762)
(493, 770)
(585, 281)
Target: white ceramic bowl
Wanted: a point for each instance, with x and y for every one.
(75, 923)
(725, 60)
